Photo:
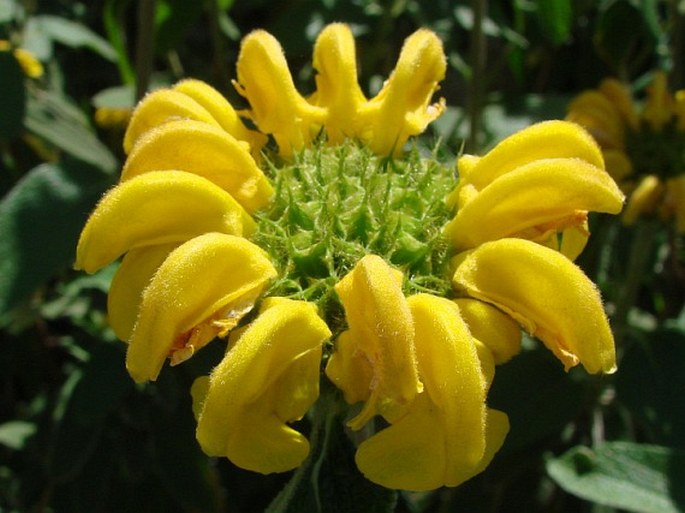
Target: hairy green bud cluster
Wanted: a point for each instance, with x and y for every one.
(336, 204)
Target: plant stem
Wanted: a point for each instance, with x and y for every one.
(144, 46)
(477, 58)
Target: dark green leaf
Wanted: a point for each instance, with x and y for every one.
(86, 401)
(40, 221)
(12, 96)
(556, 18)
(633, 477)
(650, 384)
(537, 395)
(53, 118)
(622, 36)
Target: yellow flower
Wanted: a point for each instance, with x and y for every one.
(642, 148)
(269, 377)
(518, 190)
(336, 242)
(440, 431)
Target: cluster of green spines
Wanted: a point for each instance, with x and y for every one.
(336, 204)
(660, 152)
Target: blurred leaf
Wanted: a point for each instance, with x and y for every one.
(13, 434)
(40, 221)
(115, 97)
(556, 18)
(537, 395)
(87, 398)
(12, 96)
(8, 11)
(650, 385)
(68, 33)
(633, 477)
(56, 120)
(329, 481)
(622, 36)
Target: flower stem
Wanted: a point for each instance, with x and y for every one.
(477, 57)
(638, 260)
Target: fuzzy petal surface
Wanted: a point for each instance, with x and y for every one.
(547, 294)
(201, 291)
(268, 378)
(158, 207)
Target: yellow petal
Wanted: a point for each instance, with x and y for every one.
(546, 293)
(619, 94)
(658, 108)
(679, 109)
(202, 290)
(549, 139)
(544, 195)
(618, 165)
(381, 332)
(495, 329)
(268, 378)
(157, 208)
(350, 370)
(160, 107)
(277, 108)
(222, 111)
(31, 66)
(573, 240)
(402, 108)
(448, 435)
(675, 201)
(204, 150)
(449, 367)
(594, 111)
(337, 88)
(644, 199)
(129, 282)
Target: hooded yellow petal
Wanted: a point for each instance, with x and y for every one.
(545, 292)
(204, 150)
(597, 113)
(448, 435)
(529, 201)
(658, 108)
(644, 199)
(129, 282)
(269, 377)
(618, 165)
(402, 108)
(545, 140)
(222, 111)
(495, 329)
(675, 201)
(276, 106)
(202, 290)
(619, 95)
(160, 107)
(157, 208)
(337, 87)
(381, 332)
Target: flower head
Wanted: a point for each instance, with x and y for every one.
(334, 251)
(642, 148)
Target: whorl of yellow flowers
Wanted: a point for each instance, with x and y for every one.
(333, 249)
(643, 147)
